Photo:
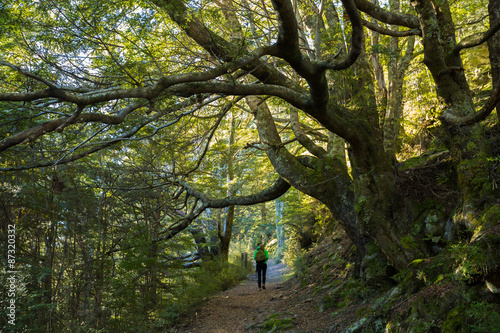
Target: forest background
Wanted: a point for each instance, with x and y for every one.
(146, 144)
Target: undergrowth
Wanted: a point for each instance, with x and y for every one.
(444, 293)
(211, 277)
(199, 283)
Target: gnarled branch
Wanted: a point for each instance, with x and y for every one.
(477, 39)
(302, 137)
(449, 119)
(389, 32)
(386, 16)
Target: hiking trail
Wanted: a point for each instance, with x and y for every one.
(244, 308)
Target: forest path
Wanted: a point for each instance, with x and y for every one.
(244, 308)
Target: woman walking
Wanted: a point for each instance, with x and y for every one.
(261, 256)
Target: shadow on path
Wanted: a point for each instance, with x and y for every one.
(239, 308)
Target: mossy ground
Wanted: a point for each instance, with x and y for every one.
(444, 293)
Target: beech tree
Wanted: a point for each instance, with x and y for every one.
(82, 77)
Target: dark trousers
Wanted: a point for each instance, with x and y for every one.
(261, 268)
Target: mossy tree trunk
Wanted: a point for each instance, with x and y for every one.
(466, 141)
(374, 181)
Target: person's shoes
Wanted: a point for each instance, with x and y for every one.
(263, 287)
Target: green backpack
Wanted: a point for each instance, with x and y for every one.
(260, 255)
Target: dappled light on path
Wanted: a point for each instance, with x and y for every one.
(286, 305)
(238, 309)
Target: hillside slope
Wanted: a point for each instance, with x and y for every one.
(324, 296)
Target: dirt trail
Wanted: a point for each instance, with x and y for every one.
(244, 308)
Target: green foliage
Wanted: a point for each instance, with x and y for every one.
(408, 242)
(299, 266)
(469, 261)
(277, 323)
(130, 290)
(483, 317)
(491, 217)
(224, 275)
(352, 291)
(460, 262)
(200, 283)
(477, 317)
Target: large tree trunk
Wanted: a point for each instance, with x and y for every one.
(467, 144)
(324, 179)
(375, 183)
(371, 215)
(225, 232)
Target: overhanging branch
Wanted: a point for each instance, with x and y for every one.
(389, 32)
(449, 119)
(203, 201)
(39, 130)
(276, 190)
(148, 92)
(477, 39)
(302, 137)
(220, 48)
(356, 39)
(378, 13)
(293, 97)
